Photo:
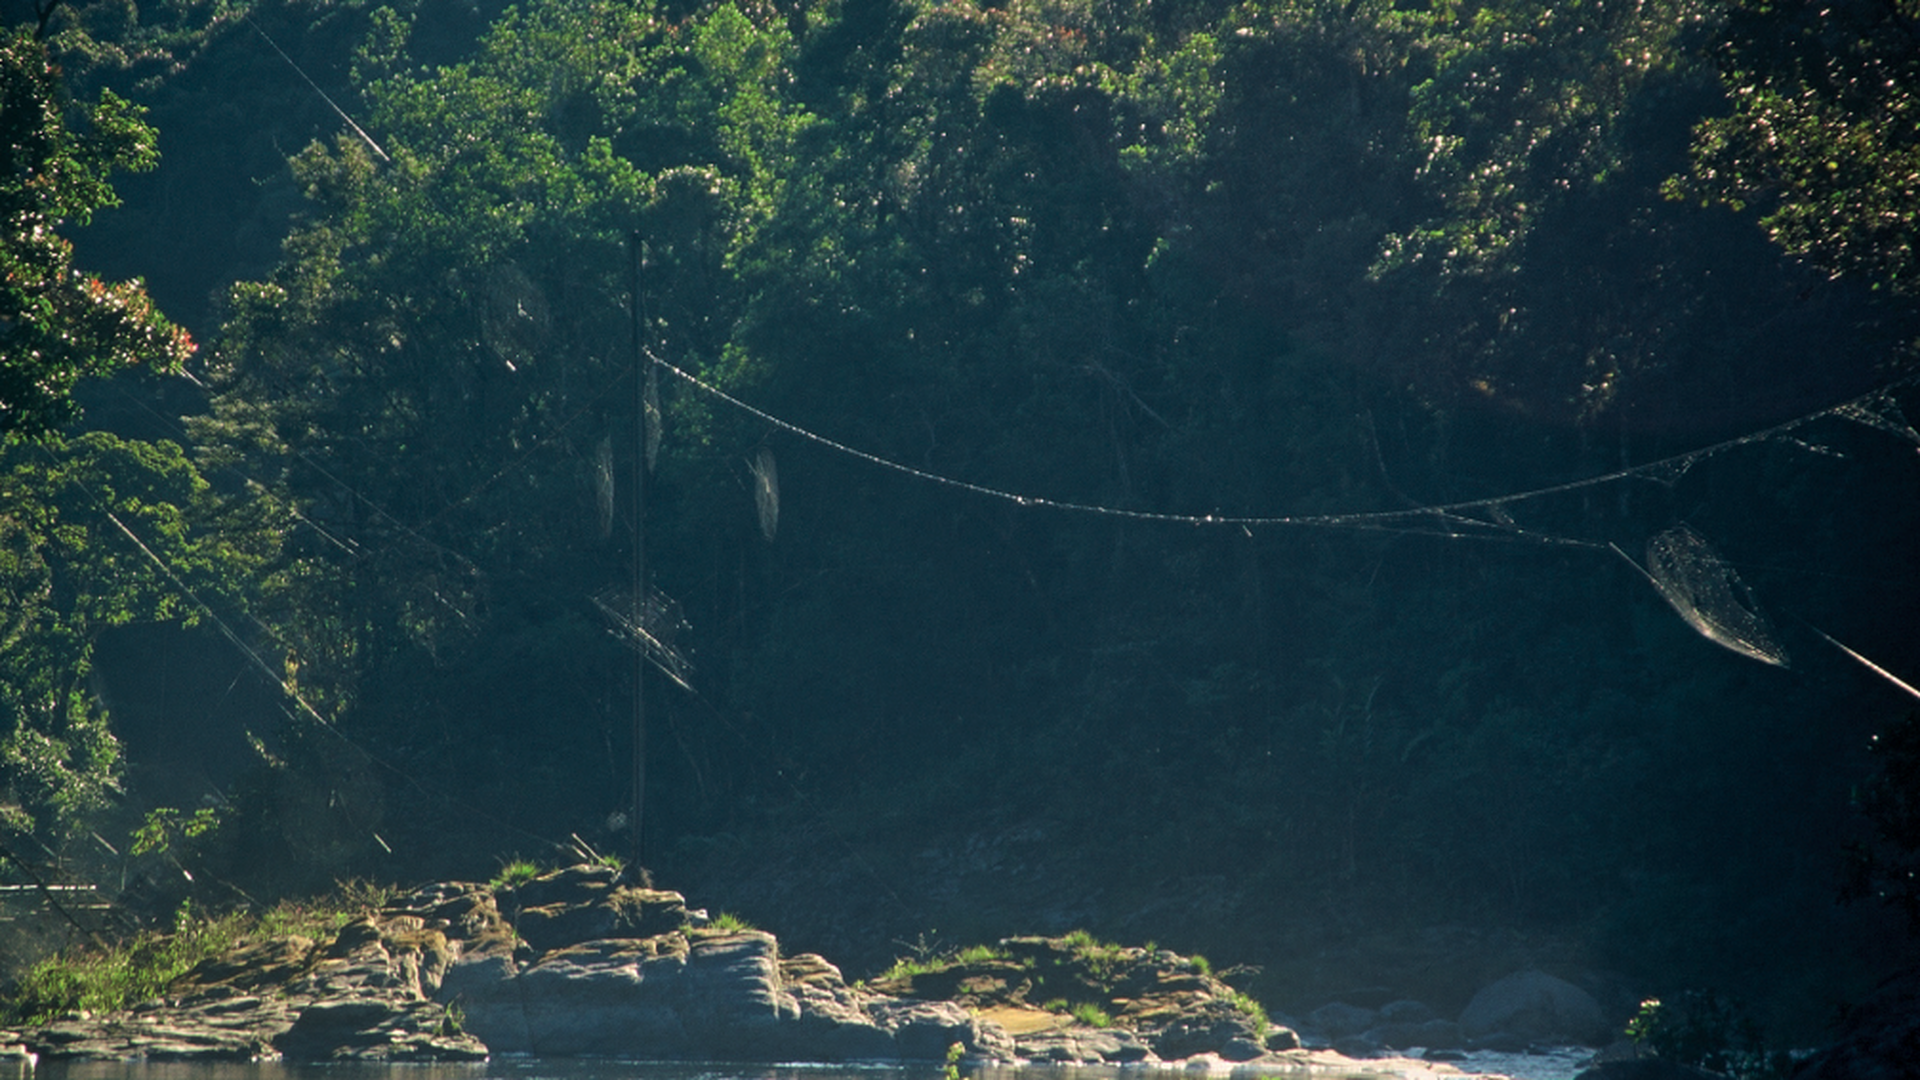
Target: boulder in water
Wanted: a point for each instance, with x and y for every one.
(1536, 1007)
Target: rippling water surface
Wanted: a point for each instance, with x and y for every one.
(1521, 1067)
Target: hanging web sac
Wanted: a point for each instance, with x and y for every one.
(1706, 592)
(650, 418)
(603, 484)
(513, 315)
(651, 627)
(766, 491)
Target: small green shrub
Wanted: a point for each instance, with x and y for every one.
(728, 922)
(1101, 958)
(453, 1022)
(907, 967)
(1092, 1015)
(924, 963)
(517, 872)
(1201, 964)
(1250, 1008)
(164, 827)
(977, 954)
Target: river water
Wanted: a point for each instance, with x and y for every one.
(1550, 1066)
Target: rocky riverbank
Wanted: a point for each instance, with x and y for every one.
(582, 962)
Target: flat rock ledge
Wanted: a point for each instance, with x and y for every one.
(582, 962)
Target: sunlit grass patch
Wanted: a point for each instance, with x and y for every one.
(116, 976)
(906, 967)
(517, 872)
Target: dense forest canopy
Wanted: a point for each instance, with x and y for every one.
(1365, 339)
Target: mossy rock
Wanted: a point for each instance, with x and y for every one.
(977, 984)
(1137, 987)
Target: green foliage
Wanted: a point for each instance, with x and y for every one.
(98, 532)
(1091, 1015)
(1823, 136)
(462, 307)
(1251, 1009)
(1100, 958)
(931, 959)
(907, 967)
(1083, 941)
(165, 826)
(516, 872)
(58, 323)
(729, 923)
(951, 1069)
(117, 978)
(1706, 1030)
(1516, 107)
(125, 974)
(979, 954)
(453, 1021)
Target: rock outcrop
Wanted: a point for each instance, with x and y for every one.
(364, 995)
(584, 962)
(1093, 1003)
(577, 962)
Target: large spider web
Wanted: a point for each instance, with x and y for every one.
(1685, 569)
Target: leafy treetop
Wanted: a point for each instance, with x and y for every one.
(58, 323)
(1824, 133)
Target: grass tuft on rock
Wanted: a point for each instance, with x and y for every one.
(108, 978)
(906, 967)
(514, 873)
(1091, 1015)
(1251, 1008)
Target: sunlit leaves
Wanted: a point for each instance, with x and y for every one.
(1520, 105)
(166, 826)
(1824, 134)
(58, 323)
(96, 533)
